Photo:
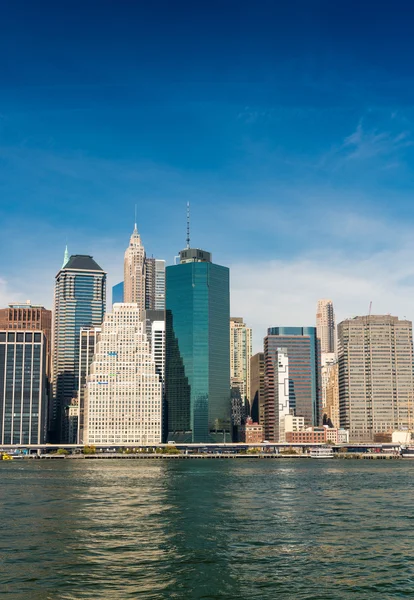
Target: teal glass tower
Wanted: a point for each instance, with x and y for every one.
(80, 298)
(197, 370)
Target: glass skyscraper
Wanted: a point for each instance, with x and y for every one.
(197, 375)
(23, 387)
(304, 354)
(80, 298)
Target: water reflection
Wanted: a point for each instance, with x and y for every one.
(206, 529)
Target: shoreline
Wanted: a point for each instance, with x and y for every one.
(268, 456)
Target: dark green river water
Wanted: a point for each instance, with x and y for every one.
(288, 529)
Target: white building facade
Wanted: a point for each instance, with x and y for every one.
(240, 354)
(135, 271)
(123, 398)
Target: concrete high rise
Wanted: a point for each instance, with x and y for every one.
(240, 354)
(257, 375)
(276, 388)
(123, 399)
(375, 355)
(303, 350)
(325, 325)
(327, 362)
(88, 339)
(134, 272)
(197, 349)
(80, 300)
(331, 408)
(23, 387)
(154, 284)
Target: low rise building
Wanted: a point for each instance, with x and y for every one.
(251, 432)
(290, 423)
(310, 435)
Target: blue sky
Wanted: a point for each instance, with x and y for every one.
(288, 126)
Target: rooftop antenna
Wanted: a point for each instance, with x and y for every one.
(370, 308)
(135, 224)
(188, 225)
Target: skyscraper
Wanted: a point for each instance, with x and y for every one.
(331, 408)
(240, 354)
(118, 293)
(29, 316)
(257, 374)
(123, 400)
(88, 339)
(134, 272)
(276, 388)
(154, 284)
(23, 387)
(80, 298)
(375, 355)
(325, 325)
(303, 350)
(197, 349)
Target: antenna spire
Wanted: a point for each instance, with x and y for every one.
(65, 257)
(188, 224)
(135, 224)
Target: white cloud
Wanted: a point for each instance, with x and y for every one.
(282, 292)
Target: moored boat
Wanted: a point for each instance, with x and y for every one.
(321, 452)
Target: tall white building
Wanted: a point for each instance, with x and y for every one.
(123, 399)
(134, 271)
(240, 354)
(325, 325)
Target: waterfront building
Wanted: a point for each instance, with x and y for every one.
(310, 435)
(375, 355)
(240, 355)
(276, 388)
(134, 272)
(303, 350)
(257, 391)
(155, 329)
(23, 386)
(154, 284)
(29, 316)
(197, 349)
(336, 435)
(123, 396)
(80, 299)
(71, 422)
(118, 293)
(87, 342)
(251, 432)
(327, 362)
(325, 326)
(331, 409)
(290, 423)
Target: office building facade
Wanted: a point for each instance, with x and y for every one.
(87, 343)
(257, 391)
(303, 349)
(325, 326)
(29, 316)
(134, 272)
(197, 370)
(123, 396)
(154, 284)
(331, 408)
(23, 387)
(80, 299)
(375, 356)
(276, 388)
(240, 355)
